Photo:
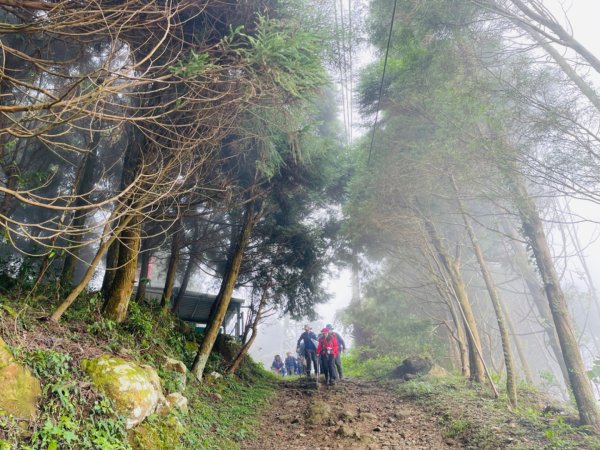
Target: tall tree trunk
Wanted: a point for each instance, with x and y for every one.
(111, 264)
(534, 232)
(131, 162)
(224, 296)
(185, 281)
(84, 187)
(193, 258)
(453, 270)
(78, 289)
(511, 380)
(145, 256)
(523, 268)
(165, 301)
(235, 365)
(115, 307)
(355, 277)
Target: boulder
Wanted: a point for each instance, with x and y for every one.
(175, 365)
(20, 389)
(438, 372)
(177, 371)
(134, 388)
(161, 434)
(412, 367)
(172, 402)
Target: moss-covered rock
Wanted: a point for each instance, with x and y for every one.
(135, 389)
(20, 389)
(156, 434)
(318, 412)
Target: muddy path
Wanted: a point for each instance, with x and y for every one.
(352, 415)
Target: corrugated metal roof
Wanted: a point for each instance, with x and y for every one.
(195, 306)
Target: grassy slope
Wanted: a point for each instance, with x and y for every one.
(470, 415)
(73, 415)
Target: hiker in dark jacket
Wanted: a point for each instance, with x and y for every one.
(309, 339)
(341, 347)
(278, 366)
(291, 364)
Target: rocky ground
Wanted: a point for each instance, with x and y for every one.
(352, 415)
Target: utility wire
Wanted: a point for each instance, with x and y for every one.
(387, 50)
(350, 59)
(344, 74)
(341, 69)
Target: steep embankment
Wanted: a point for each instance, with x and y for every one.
(89, 383)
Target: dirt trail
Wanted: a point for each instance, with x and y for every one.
(353, 415)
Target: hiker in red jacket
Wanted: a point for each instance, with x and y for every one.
(327, 351)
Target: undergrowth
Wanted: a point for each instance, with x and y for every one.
(469, 413)
(74, 416)
(372, 368)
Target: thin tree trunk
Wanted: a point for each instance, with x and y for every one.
(583, 85)
(115, 307)
(235, 365)
(562, 36)
(511, 381)
(461, 337)
(165, 301)
(453, 271)
(588, 274)
(536, 236)
(519, 346)
(224, 296)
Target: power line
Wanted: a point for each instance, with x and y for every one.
(387, 50)
(350, 59)
(340, 67)
(344, 74)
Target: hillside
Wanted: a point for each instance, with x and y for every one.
(75, 411)
(251, 410)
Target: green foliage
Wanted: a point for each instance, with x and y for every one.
(66, 422)
(384, 324)
(356, 365)
(139, 321)
(594, 373)
(48, 365)
(458, 427)
(224, 423)
(287, 54)
(195, 65)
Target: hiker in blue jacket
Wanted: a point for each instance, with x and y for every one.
(309, 339)
(291, 364)
(278, 367)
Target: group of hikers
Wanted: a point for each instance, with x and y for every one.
(322, 353)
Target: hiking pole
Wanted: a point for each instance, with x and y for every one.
(317, 367)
